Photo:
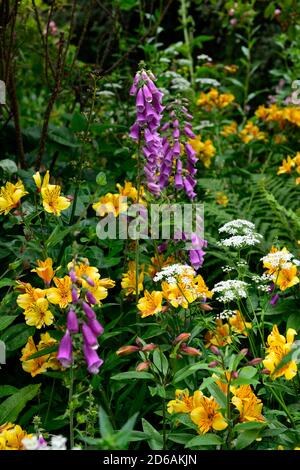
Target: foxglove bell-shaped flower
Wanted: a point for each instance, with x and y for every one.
(72, 322)
(88, 311)
(64, 355)
(89, 337)
(96, 327)
(94, 362)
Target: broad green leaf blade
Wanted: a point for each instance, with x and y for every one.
(12, 406)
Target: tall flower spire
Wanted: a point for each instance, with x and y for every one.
(148, 117)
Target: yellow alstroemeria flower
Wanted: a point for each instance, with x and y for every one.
(10, 196)
(287, 277)
(150, 304)
(38, 314)
(33, 366)
(238, 324)
(229, 129)
(110, 204)
(30, 295)
(219, 337)
(247, 403)
(45, 270)
(278, 348)
(128, 282)
(208, 416)
(40, 364)
(38, 180)
(11, 439)
(286, 166)
(184, 403)
(53, 202)
(62, 293)
(128, 190)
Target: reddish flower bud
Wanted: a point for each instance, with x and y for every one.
(126, 350)
(206, 307)
(215, 351)
(213, 364)
(190, 351)
(181, 337)
(149, 347)
(266, 371)
(234, 374)
(142, 366)
(244, 351)
(255, 361)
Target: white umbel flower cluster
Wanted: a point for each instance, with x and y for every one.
(228, 291)
(242, 234)
(169, 273)
(225, 314)
(278, 259)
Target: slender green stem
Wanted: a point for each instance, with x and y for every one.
(186, 35)
(71, 409)
(283, 405)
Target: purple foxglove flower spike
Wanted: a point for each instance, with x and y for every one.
(72, 322)
(64, 355)
(92, 359)
(89, 337)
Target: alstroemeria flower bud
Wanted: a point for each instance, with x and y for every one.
(126, 350)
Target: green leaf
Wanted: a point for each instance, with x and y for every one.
(161, 362)
(106, 428)
(127, 5)
(6, 282)
(78, 123)
(12, 406)
(124, 435)
(63, 136)
(44, 352)
(188, 370)
(58, 235)
(6, 320)
(132, 375)
(294, 321)
(217, 393)
(6, 390)
(154, 439)
(16, 336)
(246, 438)
(8, 166)
(101, 179)
(180, 438)
(208, 439)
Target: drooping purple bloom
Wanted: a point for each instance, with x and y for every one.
(89, 336)
(96, 327)
(90, 298)
(65, 350)
(274, 299)
(88, 311)
(94, 362)
(72, 322)
(74, 295)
